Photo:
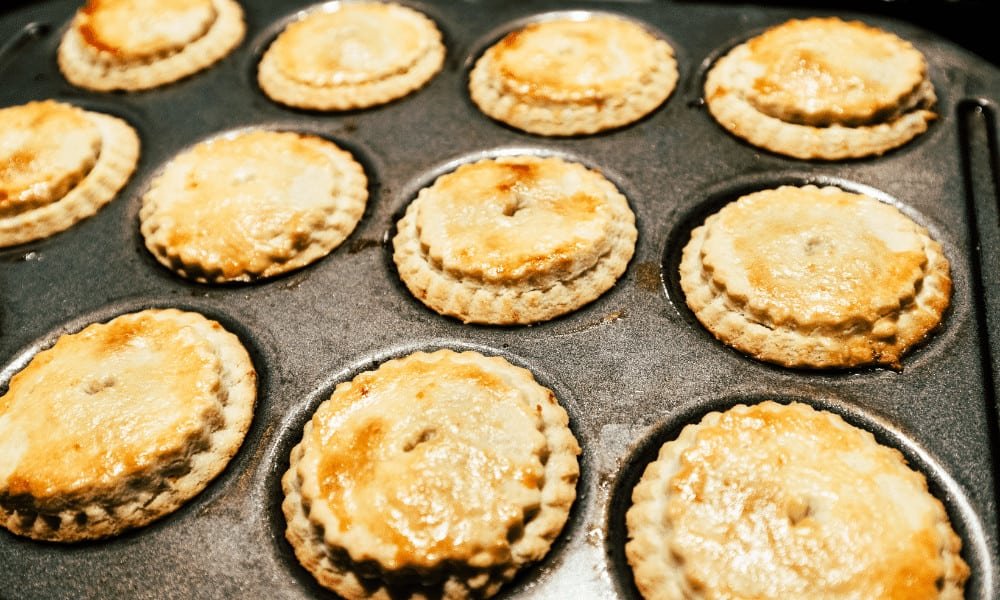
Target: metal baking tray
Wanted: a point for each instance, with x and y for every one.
(631, 368)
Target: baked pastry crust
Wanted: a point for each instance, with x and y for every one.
(438, 475)
(141, 44)
(514, 240)
(570, 76)
(783, 501)
(822, 88)
(120, 424)
(815, 277)
(59, 164)
(351, 55)
(252, 205)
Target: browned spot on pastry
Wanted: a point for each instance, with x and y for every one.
(88, 31)
(908, 573)
(120, 333)
(578, 206)
(355, 463)
(512, 39)
(470, 373)
(529, 478)
(11, 166)
(18, 486)
(19, 160)
(718, 92)
(517, 173)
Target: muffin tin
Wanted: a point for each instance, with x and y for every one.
(631, 368)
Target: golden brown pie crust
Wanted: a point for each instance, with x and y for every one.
(120, 424)
(251, 205)
(141, 44)
(574, 76)
(351, 55)
(822, 88)
(59, 164)
(437, 475)
(815, 277)
(514, 240)
(775, 501)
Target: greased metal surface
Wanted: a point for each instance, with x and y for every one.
(631, 368)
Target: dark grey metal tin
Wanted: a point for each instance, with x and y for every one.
(632, 368)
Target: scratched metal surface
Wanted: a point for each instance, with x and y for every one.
(632, 368)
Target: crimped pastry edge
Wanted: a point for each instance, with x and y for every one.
(115, 164)
(552, 118)
(334, 569)
(478, 302)
(283, 89)
(341, 223)
(82, 66)
(792, 348)
(657, 574)
(139, 508)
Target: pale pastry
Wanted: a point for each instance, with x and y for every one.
(815, 277)
(59, 164)
(514, 240)
(437, 475)
(121, 423)
(572, 76)
(775, 501)
(351, 55)
(822, 88)
(141, 44)
(250, 205)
